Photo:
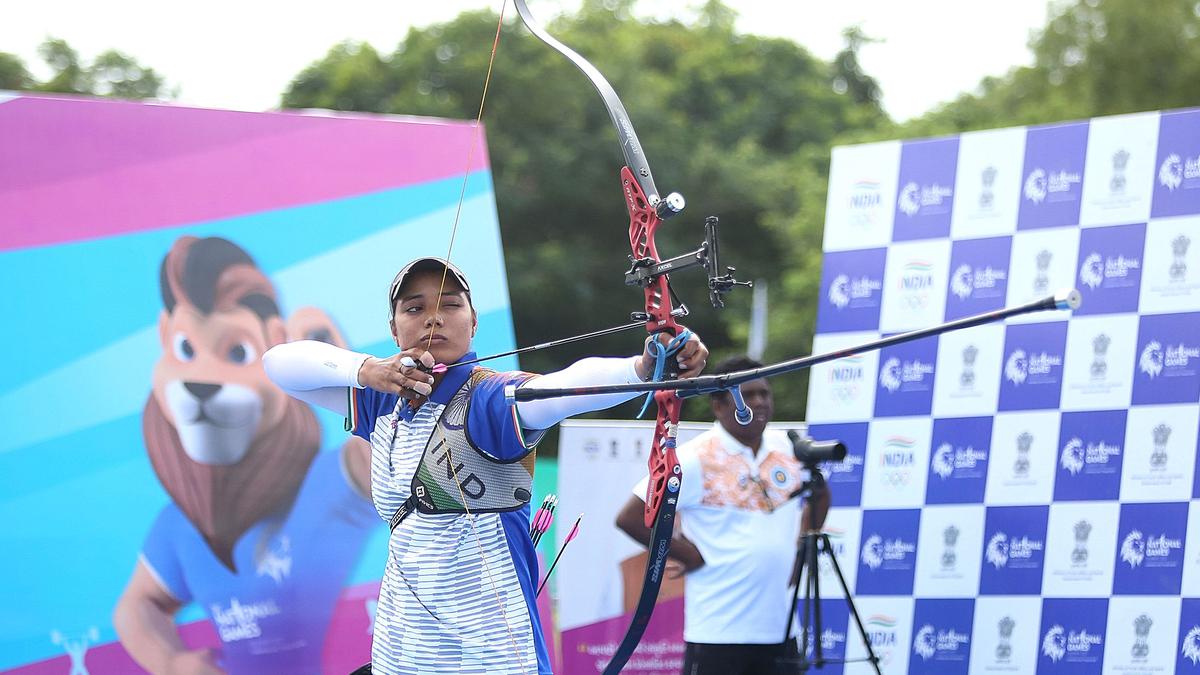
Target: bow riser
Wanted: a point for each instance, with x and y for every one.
(643, 224)
(665, 473)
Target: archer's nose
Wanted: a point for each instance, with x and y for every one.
(201, 390)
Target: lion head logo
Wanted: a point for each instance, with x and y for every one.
(1016, 368)
(996, 551)
(925, 644)
(839, 291)
(960, 282)
(889, 374)
(1054, 644)
(1073, 458)
(909, 201)
(1170, 173)
(1036, 186)
(1133, 548)
(1191, 645)
(943, 460)
(872, 553)
(1151, 360)
(1091, 272)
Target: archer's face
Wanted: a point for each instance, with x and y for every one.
(446, 333)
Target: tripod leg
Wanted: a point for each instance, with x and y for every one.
(814, 575)
(872, 658)
(787, 632)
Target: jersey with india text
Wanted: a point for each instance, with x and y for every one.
(445, 606)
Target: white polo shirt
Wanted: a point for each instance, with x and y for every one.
(734, 506)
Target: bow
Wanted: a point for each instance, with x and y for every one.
(647, 209)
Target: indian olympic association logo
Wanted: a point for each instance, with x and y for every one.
(961, 284)
(1054, 643)
(1091, 272)
(1151, 360)
(1191, 645)
(925, 643)
(889, 375)
(909, 201)
(839, 291)
(1035, 186)
(943, 460)
(872, 553)
(996, 551)
(1016, 368)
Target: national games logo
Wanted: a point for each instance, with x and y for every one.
(1175, 170)
(924, 644)
(1054, 643)
(1016, 368)
(1191, 645)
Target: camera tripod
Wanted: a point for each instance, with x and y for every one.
(812, 544)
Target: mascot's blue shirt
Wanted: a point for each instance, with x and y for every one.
(272, 615)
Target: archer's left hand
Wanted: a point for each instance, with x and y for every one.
(691, 357)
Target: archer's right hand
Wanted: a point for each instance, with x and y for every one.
(393, 376)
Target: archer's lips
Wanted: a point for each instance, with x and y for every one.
(436, 338)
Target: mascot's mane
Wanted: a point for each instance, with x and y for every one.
(222, 502)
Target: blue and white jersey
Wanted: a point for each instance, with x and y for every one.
(445, 605)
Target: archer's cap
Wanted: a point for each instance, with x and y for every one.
(424, 265)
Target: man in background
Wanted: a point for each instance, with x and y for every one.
(738, 538)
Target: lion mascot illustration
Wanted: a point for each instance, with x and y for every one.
(262, 529)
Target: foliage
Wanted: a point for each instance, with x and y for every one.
(112, 74)
(740, 124)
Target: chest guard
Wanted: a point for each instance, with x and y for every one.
(455, 476)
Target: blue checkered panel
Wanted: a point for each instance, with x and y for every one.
(1019, 497)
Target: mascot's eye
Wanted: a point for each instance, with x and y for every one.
(183, 348)
(242, 353)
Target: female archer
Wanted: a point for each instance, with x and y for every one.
(451, 471)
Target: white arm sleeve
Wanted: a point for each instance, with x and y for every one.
(545, 413)
(314, 372)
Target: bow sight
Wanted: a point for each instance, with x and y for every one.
(644, 271)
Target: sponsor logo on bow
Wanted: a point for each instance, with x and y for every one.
(1176, 169)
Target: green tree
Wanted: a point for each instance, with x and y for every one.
(112, 73)
(13, 74)
(739, 124)
(1093, 57)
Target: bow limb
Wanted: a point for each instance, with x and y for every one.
(646, 211)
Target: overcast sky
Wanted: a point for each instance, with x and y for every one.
(241, 54)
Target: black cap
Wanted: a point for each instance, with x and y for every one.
(424, 265)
